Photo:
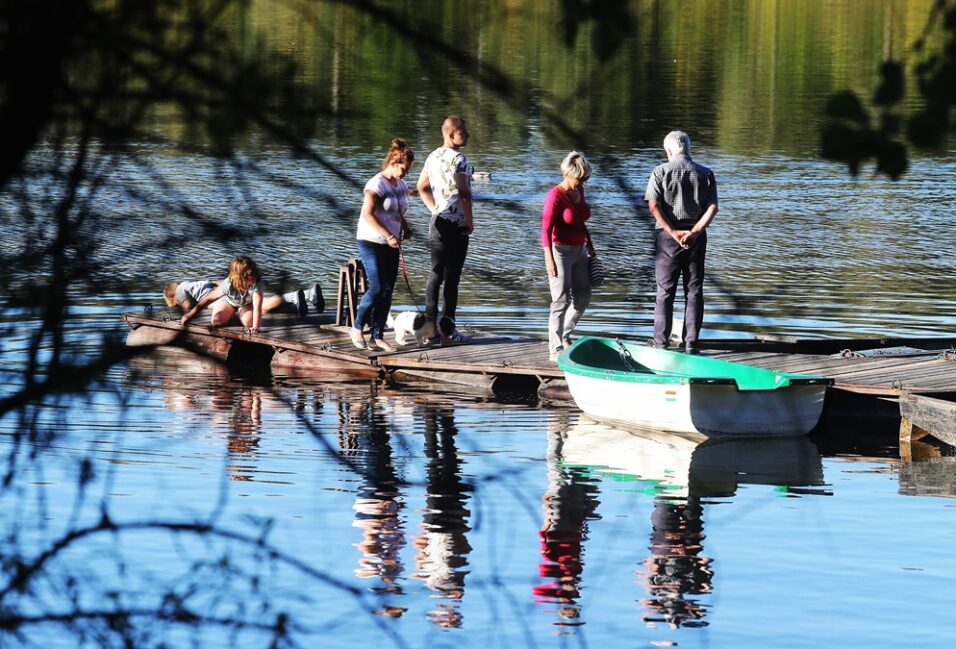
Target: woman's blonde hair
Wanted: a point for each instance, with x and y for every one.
(575, 165)
(238, 268)
(399, 153)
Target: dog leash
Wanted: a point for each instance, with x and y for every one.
(401, 260)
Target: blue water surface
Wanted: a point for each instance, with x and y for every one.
(410, 518)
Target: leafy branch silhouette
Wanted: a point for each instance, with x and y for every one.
(86, 88)
(854, 136)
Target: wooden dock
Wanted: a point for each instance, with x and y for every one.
(932, 371)
(315, 347)
(886, 368)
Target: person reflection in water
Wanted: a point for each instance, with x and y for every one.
(569, 503)
(443, 545)
(378, 504)
(243, 410)
(675, 567)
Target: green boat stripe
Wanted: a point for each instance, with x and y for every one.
(614, 360)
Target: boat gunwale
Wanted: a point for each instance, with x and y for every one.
(651, 376)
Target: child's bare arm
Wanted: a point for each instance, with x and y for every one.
(207, 299)
(256, 312)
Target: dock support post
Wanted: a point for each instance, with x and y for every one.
(352, 284)
(922, 416)
(906, 439)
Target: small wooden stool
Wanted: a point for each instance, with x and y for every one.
(352, 284)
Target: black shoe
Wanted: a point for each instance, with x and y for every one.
(316, 299)
(300, 304)
(693, 350)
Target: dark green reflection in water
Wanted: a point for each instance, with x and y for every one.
(749, 77)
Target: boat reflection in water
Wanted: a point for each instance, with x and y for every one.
(681, 470)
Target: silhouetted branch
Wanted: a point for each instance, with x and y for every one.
(853, 137)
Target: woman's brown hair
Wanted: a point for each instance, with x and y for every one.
(399, 153)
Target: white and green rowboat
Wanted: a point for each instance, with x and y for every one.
(636, 385)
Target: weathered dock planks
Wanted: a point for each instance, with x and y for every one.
(297, 345)
(887, 376)
(314, 346)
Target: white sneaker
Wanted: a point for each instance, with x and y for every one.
(358, 338)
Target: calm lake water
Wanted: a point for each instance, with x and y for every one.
(396, 516)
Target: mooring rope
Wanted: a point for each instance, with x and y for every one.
(626, 356)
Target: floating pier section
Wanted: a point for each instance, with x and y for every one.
(314, 346)
(890, 370)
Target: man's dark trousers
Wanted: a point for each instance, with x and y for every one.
(671, 262)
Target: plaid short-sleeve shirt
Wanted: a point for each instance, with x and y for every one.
(683, 189)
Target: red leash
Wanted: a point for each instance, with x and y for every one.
(401, 264)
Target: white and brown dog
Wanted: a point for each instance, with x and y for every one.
(414, 326)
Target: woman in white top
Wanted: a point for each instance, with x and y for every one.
(381, 228)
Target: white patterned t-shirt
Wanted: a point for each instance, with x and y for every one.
(441, 166)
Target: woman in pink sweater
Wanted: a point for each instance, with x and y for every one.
(567, 245)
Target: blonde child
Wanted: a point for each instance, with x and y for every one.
(241, 292)
(187, 294)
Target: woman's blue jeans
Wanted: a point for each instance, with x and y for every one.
(381, 269)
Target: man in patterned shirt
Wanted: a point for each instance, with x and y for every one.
(445, 188)
(682, 197)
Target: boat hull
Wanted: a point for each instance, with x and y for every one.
(687, 407)
(636, 385)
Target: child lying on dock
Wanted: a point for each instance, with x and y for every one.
(187, 294)
(240, 293)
